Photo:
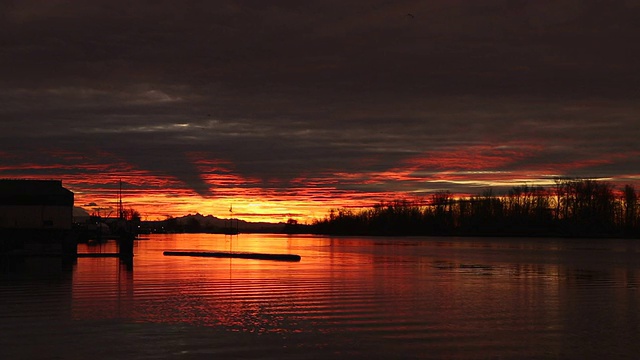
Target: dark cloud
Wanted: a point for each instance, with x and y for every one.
(288, 89)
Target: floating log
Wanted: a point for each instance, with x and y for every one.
(236, 255)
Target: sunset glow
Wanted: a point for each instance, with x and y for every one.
(464, 171)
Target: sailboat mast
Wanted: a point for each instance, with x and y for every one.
(120, 209)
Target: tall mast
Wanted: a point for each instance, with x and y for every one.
(120, 209)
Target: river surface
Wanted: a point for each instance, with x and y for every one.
(348, 298)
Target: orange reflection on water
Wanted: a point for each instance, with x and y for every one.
(378, 286)
(102, 288)
(462, 298)
(243, 295)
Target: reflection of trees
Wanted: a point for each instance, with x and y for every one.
(572, 207)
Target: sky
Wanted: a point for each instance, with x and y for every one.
(286, 109)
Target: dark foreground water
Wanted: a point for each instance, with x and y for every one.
(349, 298)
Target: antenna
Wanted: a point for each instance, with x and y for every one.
(230, 229)
(120, 209)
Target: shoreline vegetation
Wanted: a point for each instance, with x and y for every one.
(569, 208)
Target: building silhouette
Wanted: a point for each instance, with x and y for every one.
(34, 211)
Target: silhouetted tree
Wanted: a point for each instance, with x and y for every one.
(442, 215)
(630, 201)
(575, 207)
(131, 214)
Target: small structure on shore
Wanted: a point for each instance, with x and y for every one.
(36, 220)
(230, 229)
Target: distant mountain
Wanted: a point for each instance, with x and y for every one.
(80, 214)
(210, 223)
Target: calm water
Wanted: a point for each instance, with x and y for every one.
(349, 298)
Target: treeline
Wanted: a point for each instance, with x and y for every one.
(572, 207)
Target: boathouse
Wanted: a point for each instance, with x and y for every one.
(35, 208)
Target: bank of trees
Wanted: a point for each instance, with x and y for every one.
(575, 207)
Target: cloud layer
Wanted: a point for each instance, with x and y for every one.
(308, 104)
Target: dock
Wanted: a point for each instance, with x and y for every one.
(235, 255)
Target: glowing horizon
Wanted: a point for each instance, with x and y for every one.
(464, 171)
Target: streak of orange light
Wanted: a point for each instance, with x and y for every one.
(305, 198)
